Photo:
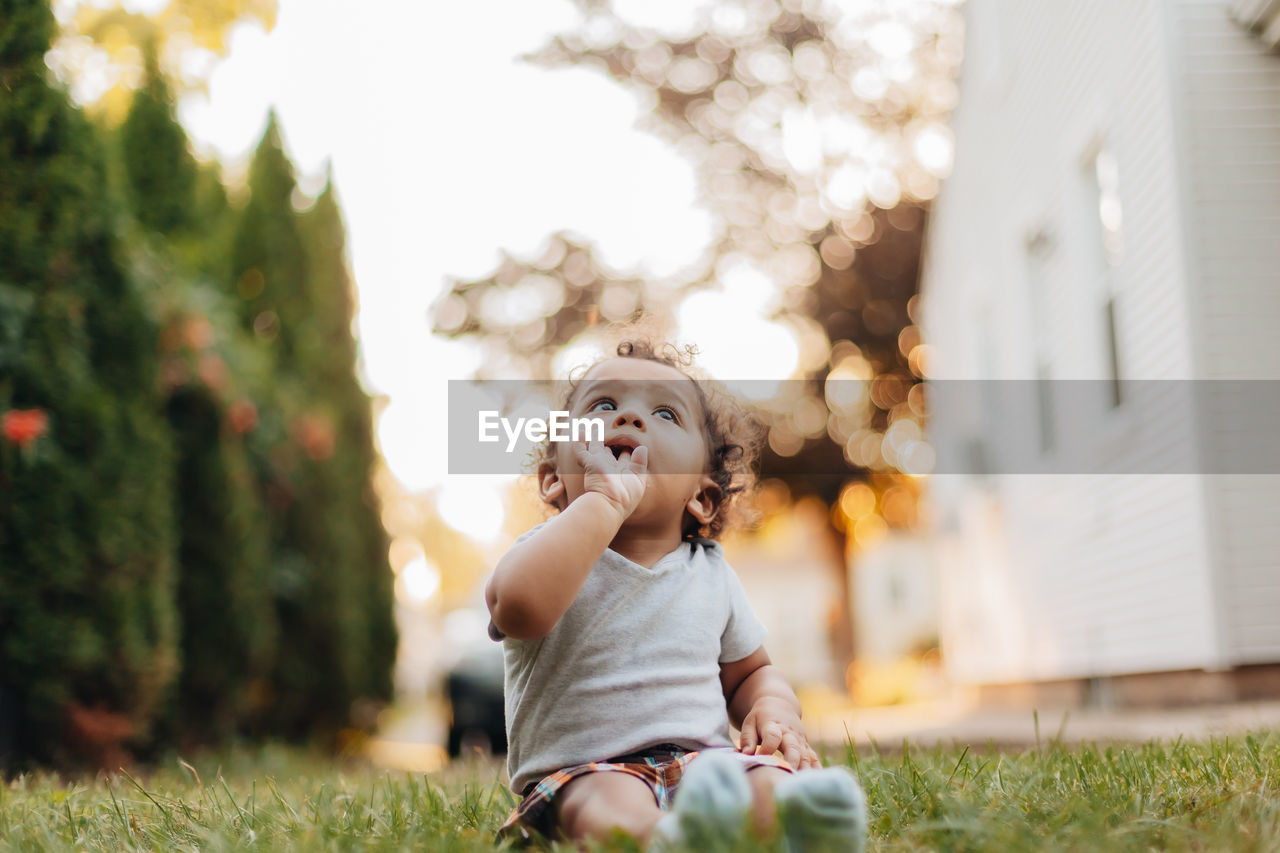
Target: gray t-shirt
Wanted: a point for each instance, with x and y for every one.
(634, 661)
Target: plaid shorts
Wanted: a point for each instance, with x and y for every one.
(660, 767)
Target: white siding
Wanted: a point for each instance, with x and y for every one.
(894, 598)
(1230, 88)
(1072, 575)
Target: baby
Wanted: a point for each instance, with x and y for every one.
(629, 643)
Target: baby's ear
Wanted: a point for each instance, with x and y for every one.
(550, 486)
(704, 505)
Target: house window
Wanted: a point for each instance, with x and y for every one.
(1035, 254)
(1106, 175)
(1113, 351)
(1106, 225)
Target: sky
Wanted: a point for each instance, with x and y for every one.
(445, 148)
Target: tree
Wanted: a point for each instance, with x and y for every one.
(818, 139)
(352, 468)
(229, 632)
(268, 259)
(228, 627)
(88, 650)
(127, 43)
(312, 454)
(160, 171)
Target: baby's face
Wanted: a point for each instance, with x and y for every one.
(645, 403)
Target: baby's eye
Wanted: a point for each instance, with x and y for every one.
(600, 406)
(666, 413)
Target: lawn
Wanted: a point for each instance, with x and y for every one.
(1216, 795)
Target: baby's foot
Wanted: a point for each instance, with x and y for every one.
(710, 808)
(822, 811)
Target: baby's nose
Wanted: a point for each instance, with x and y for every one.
(629, 419)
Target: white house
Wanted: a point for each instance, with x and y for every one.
(1113, 214)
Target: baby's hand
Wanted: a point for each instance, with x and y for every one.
(621, 480)
(772, 725)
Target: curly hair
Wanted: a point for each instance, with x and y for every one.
(733, 437)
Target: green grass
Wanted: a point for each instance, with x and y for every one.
(1218, 795)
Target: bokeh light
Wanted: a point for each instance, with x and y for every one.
(472, 506)
(418, 582)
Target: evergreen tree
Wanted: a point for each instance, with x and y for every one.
(320, 551)
(206, 249)
(355, 460)
(227, 617)
(158, 166)
(267, 257)
(87, 650)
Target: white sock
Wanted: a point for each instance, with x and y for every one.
(711, 806)
(822, 811)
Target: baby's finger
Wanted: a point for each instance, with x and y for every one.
(808, 758)
(581, 451)
(640, 459)
(791, 750)
(593, 455)
(748, 739)
(770, 739)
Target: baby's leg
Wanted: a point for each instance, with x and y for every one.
(764, 812)
(594, 805)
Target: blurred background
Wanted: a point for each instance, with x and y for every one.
(245, 244)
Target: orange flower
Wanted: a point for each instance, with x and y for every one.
(198, 332)
(315, 434)
(212, 370)
(23, 426)
(243, 416)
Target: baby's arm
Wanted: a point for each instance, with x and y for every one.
(535, 582)
(765, 709)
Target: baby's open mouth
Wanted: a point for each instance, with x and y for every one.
(619, 444)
